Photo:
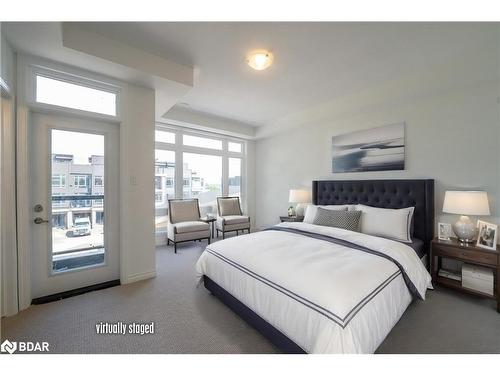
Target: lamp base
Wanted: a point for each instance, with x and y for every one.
(300, 209)
(465, 230)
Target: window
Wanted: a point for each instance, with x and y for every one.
(78, 236)
(80, 181)
(164, 171)
(234, 182)
(164, 136)
(98, 181)
(97, 202)
(190, 140)
(158, 184)
(204, 172)
(234, 147)
(211, 166)
(65, 94)
(58, 180)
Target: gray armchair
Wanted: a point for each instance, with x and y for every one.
(184, 222)
(231, 218)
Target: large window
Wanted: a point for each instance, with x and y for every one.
(195, 165)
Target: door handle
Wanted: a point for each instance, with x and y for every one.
(39, 220)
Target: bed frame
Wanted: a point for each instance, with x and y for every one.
(377, 193)
(384, 194)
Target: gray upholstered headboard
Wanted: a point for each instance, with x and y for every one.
(385, 194)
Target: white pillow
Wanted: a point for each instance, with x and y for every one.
(312, 210)
(386, 222)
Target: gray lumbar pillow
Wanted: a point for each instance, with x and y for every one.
(339, 219)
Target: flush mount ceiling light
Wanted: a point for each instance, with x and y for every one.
(260, 60)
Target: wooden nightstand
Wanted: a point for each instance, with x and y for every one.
(470, 254)
(291, 219)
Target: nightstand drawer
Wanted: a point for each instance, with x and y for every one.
(469, 255)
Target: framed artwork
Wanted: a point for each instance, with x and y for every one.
(377, 149)
(487, 235)
(444, 231)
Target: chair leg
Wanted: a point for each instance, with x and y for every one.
(223, 235)
(168, 241)
(248, 230)
(208, 240)
(175, 247)
(237, 233)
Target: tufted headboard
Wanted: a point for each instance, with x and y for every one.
(384, 194)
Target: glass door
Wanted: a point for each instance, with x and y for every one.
(74, 169)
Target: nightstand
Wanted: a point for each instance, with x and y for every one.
(470, 254)
(291, 219)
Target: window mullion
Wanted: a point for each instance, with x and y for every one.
(225, 170)
(178, 181)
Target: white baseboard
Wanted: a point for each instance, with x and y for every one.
(138, 277)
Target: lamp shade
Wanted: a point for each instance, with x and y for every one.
(466, 203)
(299, 196)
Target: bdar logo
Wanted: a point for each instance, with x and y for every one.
(9, 347)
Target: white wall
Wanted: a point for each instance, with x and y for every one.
(250, 183)
(137, 146)
(452, 135)
(8, 263)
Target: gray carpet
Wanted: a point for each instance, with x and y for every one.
(189, 320)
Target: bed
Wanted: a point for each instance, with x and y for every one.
(317, 289)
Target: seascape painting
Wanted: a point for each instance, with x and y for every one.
(377, 149)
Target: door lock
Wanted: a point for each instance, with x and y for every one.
(39, 220)
(38, 208)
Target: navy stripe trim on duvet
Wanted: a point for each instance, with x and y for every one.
(411, 287)
(342, 322)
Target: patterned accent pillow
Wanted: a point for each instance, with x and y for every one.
(348, 220)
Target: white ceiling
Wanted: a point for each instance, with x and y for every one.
(314, 62)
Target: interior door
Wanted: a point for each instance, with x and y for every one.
(74, 198)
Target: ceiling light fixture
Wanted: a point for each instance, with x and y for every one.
(260, 60)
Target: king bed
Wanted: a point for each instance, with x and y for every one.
(314, 288)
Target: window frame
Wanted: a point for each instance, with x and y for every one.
(73, 76)
(62, 181)
(100, 178)
(79, 176)
(179, 148)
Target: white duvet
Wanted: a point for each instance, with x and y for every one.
(326, 297)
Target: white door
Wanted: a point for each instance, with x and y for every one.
(74, 199)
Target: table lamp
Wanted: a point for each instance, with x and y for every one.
(466, 203)
(300, 197)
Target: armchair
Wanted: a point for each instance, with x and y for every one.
(184, 222)
(231, 218)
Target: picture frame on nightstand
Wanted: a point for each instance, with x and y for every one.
(487, 235)
(444, 231)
